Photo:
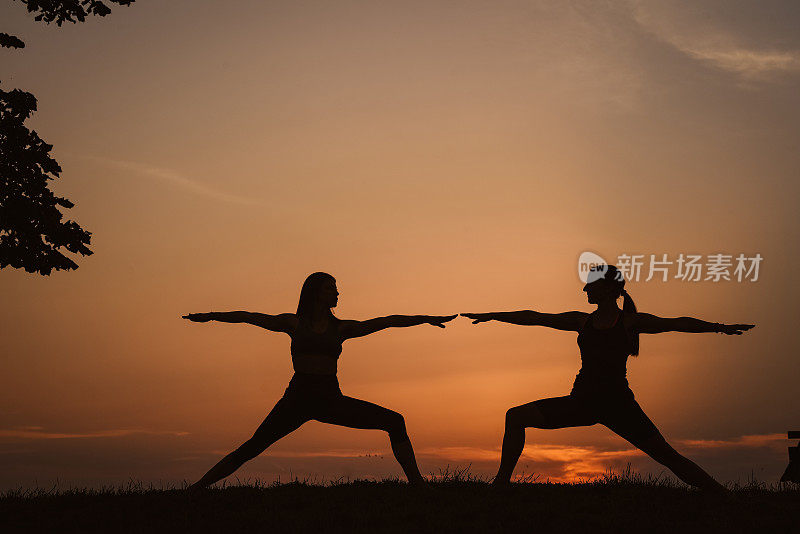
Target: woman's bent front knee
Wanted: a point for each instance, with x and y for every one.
(515, 417)
(524, 416)
(396, 427)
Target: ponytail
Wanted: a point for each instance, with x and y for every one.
(629, 307)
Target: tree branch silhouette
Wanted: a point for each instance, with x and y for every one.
(59, 11)
(32, 233)
(31, 230)
(10, 41)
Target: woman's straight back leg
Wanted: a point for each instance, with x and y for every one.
(285, 417)
(628, 420)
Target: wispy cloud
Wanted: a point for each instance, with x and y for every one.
(748, 63)
(180, 180)
(705, 41)
(32, 432)
(772, 441)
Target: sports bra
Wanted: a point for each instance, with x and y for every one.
(604, 353)
(306, 341)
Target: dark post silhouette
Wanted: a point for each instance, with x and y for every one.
(792, 473)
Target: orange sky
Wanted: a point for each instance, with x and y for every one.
(435, 157)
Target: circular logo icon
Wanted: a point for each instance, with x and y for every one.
(591, 267)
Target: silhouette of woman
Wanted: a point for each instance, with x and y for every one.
(313, 391)
(600, 393)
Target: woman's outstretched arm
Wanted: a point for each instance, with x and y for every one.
(283, 322)
(646, 323)
(571, 321)
(352, 329)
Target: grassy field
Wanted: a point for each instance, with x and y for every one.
(454, 502)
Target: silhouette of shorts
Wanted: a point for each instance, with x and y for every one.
(318, 397)
(310, 390)
(307, 397)
(615, 408)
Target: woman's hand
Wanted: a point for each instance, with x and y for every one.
(439, 320)
(478, 317)
(198, 317)
(734, 329)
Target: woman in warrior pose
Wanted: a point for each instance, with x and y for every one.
(600, 393)
(313, 392)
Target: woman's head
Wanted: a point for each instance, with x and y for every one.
(606, 283)
(318, 293)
